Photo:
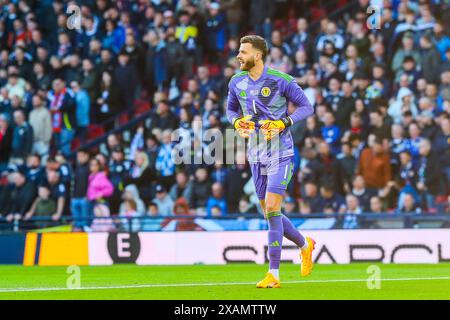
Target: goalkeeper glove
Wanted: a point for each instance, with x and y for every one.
(244, 126)
(270, 128)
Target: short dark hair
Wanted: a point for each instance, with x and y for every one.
(257, 42)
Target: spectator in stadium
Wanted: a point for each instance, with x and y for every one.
(156, 62)
(331, 35)
(441, 39)
(327, 169)
(102, 221)
(127, 79)
(261, 17)
(82, 109)
(20, 198)
(151, 222)
(278, 60)
(302, 39)
(59, 163)
(73, 70)
(216, 200)
(350, 220)
(331, 133)
(41, 122)
(362, 193)
(80, 206)
(135, 52)
(407, 49)
(108, 101)
(165, 164)
(22, 139)
(58, 192)
(398, 144)
(376, 206)
(409, 205)
(15, 85)
(132, 193)
(237, 177)
(311, 197)
(348, 164)
(205, 83)
(119, 169)
(441, 145)
(34, 172)
(141, 175)
(407, 175)
(374, 166)
(330, 199)
(430, 59)
(164, 118)
(6, 134)
(290, 206)
(182, 187)
(62, 107)
(43, 205)
(403, 103)
(414, 140)
(409, 72)
(163, 201)
(245, 206)
(429, 174)
(99, 186)
(379, 127)
(216, 30)
(234, 15)
(187, 33)
(345, 106)
(201, 190)
(304, 207)
(152, 149)
(129, 218)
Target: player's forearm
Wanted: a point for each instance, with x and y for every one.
(232, 116)
(303, 107)
(303, 111)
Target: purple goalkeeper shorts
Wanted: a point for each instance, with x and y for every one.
(273, 176)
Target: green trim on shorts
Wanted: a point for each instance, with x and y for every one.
(273, 214)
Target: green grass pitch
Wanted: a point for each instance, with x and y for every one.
(222, 282)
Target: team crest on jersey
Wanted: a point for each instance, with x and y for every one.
(265, 92)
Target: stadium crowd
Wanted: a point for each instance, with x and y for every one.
(378, 142)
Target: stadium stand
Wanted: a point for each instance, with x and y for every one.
(86, 114)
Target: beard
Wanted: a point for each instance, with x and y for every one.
(248, 65)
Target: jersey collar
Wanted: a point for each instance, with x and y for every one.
(260, 78)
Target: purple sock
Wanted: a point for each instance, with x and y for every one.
(291, 233)
(275, 239)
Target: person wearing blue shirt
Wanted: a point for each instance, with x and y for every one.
(216, 200)
(82, 107)
(331, 133)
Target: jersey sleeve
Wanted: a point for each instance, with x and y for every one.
(233, 106)
(295, 94)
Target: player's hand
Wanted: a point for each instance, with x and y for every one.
(244, 126)
(271, 128)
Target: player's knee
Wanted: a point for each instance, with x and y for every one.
(272, 206)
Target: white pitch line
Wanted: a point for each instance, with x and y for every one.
(12, 290)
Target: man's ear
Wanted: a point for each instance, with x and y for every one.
(257, 56)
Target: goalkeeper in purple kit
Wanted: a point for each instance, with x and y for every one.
(257, 107)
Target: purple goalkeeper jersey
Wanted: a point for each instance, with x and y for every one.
(267, 98)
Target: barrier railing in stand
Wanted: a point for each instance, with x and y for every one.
(227, 222)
